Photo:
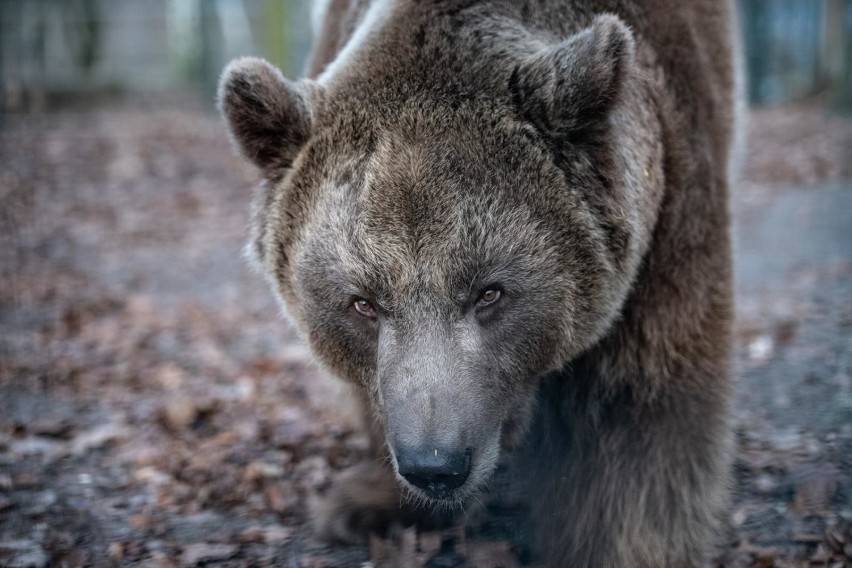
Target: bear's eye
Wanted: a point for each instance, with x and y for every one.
(364, 308)
(488, 297)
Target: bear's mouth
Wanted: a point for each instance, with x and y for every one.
(438, 492)
(439, 487)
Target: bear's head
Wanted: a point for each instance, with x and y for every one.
(442, 247)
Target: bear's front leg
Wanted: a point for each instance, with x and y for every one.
(621, 482)
(364, 500)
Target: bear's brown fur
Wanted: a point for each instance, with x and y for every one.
(506, 223)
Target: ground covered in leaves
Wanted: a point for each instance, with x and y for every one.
(156, 411)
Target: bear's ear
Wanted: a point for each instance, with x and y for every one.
(572, 85)
(269, 117)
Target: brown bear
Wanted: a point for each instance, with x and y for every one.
(506, 223)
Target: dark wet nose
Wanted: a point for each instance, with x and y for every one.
(434, 470)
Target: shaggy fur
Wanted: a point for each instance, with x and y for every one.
(572, 155)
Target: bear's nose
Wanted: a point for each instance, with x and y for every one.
(434, 470)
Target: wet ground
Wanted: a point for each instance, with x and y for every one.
(156, 411)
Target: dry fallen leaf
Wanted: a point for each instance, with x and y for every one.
(98, 437)
(179, 412)
(202, 552)
(815, 486)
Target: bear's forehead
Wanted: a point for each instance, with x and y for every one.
(393, 245)
(402, 243)
(428, 206)
(438, 192)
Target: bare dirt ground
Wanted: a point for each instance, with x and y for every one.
(155, 410)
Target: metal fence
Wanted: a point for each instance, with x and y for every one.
(793, 47)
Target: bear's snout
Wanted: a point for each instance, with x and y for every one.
(437, 471)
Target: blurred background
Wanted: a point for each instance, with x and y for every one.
(155, 410)
(50, 48)
(55, 48)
